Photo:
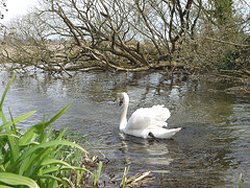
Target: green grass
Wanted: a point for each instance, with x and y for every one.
(37, 157)
(124, 178)
(97, 174)
(240, 181)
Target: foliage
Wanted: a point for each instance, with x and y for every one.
(35, 158)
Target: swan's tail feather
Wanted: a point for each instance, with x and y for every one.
(164, 133)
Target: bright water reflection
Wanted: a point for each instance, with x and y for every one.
(211, 151)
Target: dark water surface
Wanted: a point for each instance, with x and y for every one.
(211, 151)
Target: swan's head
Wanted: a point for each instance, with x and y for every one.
(123, 98)
(123, 102)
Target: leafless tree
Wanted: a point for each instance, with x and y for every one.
(124, 35)
(129, 35)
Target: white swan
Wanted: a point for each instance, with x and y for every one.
(145, 122)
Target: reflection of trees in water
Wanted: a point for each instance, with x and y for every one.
(192, 99)
(40, 83)
(96, 84)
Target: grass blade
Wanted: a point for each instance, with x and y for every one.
(98, 173)
(59, 114)
(240, 181)
(13, 142)
(124, 177)
(6, 91)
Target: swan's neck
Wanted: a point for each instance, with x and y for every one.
(123, 122)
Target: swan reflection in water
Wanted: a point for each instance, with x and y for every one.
(150, 153)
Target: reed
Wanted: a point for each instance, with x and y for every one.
(124, 178)
(240, 181)
(98, 174)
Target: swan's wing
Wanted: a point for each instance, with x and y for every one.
(139, 119)
(160, 112)
(148, 117)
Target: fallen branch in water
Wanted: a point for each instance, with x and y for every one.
(139, 179)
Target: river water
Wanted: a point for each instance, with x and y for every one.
(211, 150)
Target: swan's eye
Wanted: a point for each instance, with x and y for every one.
(121, 102)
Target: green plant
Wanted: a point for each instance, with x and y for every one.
(240, 181)
(97, 173)
(35, 158)
(124, 177)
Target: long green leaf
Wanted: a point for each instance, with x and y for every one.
(30, 159)
(3, 97)
(15, 179)
(31, 134)
(5, 186)
(2, 117)
(53, 143)
(13, 128)
(55, 161)
(45, 136)
(59, 114)
(53, 178)
(41, 155)
(6, 91)
(63, 166)
(13, 142)
(25, 164)
(32, 163)
(53, 169)
(38, 129)
(57, 168)
(16, 120)
(8, 134)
